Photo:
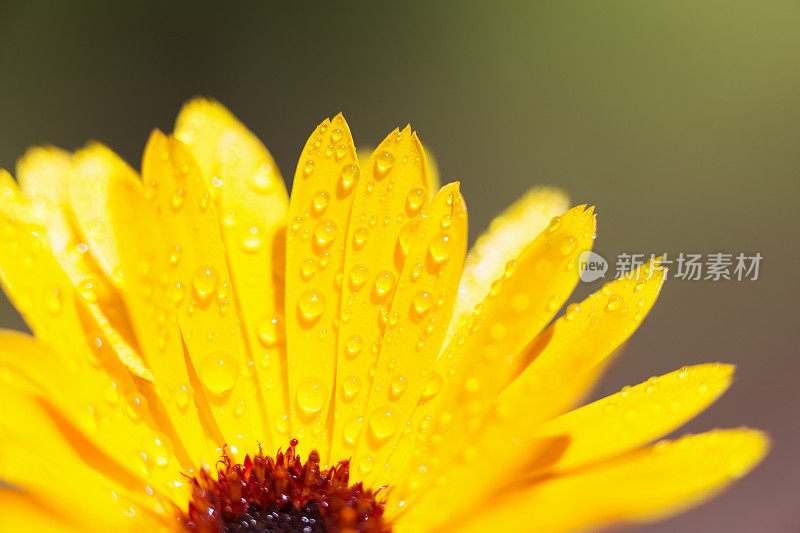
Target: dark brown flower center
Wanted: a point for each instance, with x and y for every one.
(282, 495)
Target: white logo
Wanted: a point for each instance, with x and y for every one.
(592, 266)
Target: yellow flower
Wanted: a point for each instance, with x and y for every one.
(198, 314)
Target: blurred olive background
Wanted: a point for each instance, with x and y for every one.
(679, 120)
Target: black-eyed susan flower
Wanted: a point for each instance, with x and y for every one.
(190, 322)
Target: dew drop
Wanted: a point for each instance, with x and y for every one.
(308, 268)
(311, 395)
(433, 386)
(182, 397)
(421, 303)
(268, 331)
(251, 240)
(175, 254)
(384, 283)
(351, 386)
(614, 302)
(308, 168)
(360, 236)
(358, 276)
(383, 164)
(398, 386)
(218, 371)
(414, 201)
(176, 200)
(325, 233)
(319, 202)
(383, 422)
(348, 178)
(351, 430)
(353, 346)
(311, 304)
(568, 245)
(204, 282)
(440, 248)
(554, 226)
(262, 182)
(405, 239)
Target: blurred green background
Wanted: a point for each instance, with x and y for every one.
(679, 120)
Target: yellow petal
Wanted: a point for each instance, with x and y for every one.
(642, 486)
(252, 205)
(416, 325)
(96, 168)
(143, 261)
(319, 212)
(481, 359)
(207, 314)
(434, 179)
(507, 236)
(45, 175)
(636, 415)
(89, 311)
(41, 291)
(386, 211)
(54, 410)
(555, 366)
(20, 511)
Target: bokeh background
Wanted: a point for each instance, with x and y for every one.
(680, 120)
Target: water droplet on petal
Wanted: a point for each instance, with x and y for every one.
(398, 386)
(384, 283)
(351, 385)
(421, 303)
(405, 239)
(311, 304)
(348, 178)
(383, 422)
(312, 393)
(353, 346)
(415, 200)
(204, 282)
(383, 164)
(614, 302)
(433, 386)
(440, 248)
(358, 276)
(218, 371)
(319, 202)
(268, 331)
(308, 168)
(324, 233)
(360, 236)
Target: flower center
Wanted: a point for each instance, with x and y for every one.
(282, 495)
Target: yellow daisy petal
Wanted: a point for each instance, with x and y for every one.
(389, 200)
(416, 326)
(24, 512)
(51, 310)
(45, 175)
(642, 486)
(115, 436)
(559, 364)
(507, 236)
(252, 205)
(207, 313)
(95, 169)
(481, 359)
(151, 299)
(319, 212)
(636, 415)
